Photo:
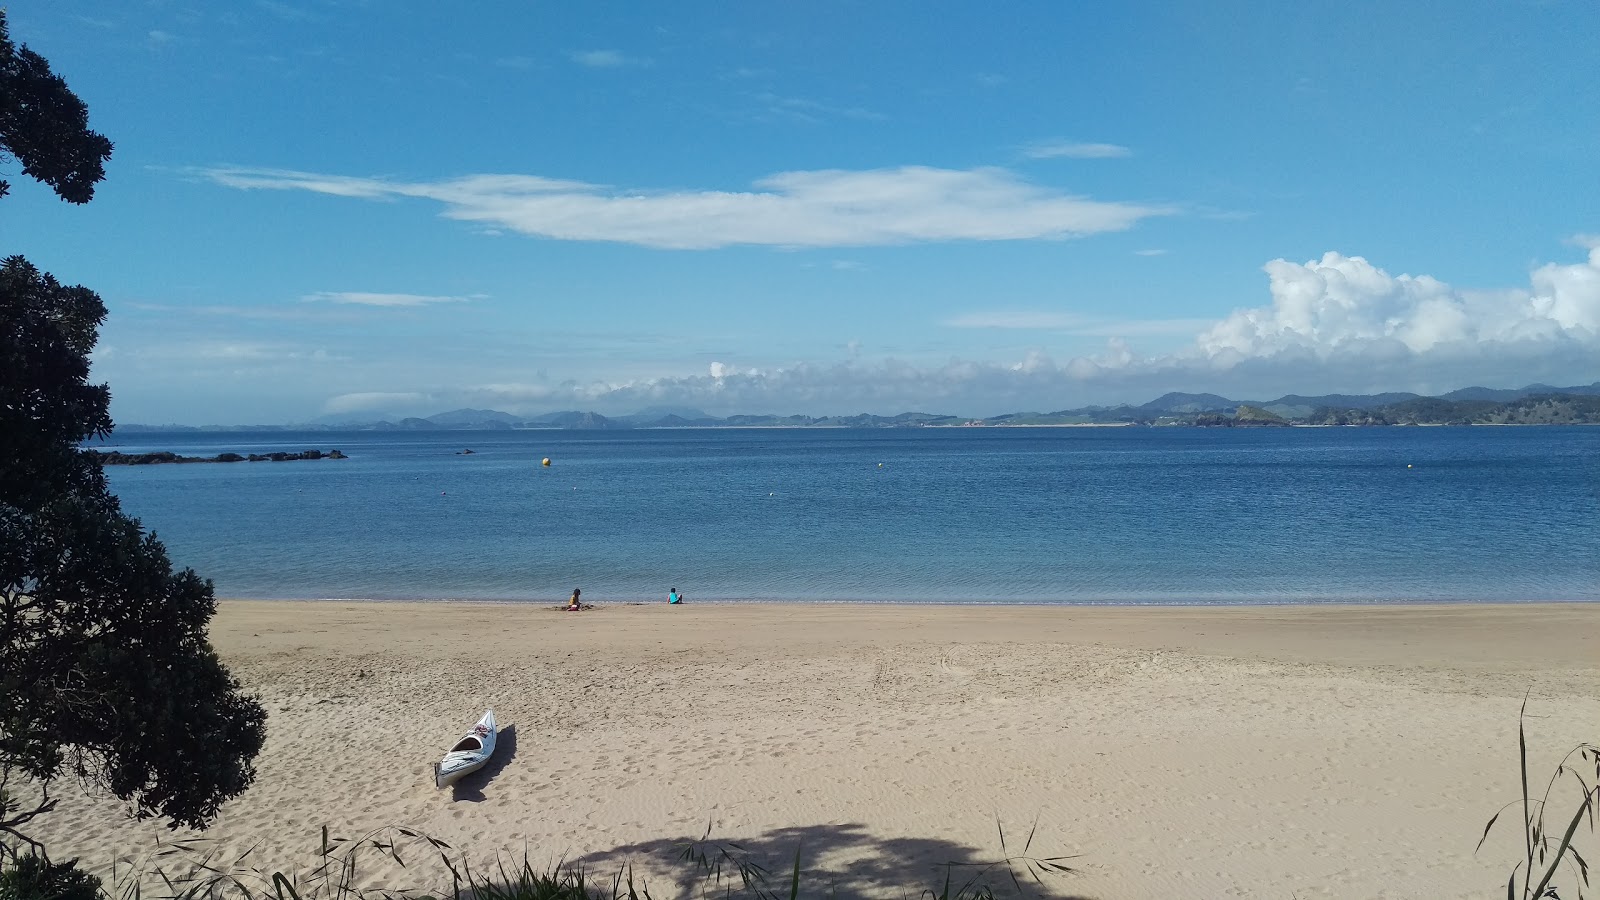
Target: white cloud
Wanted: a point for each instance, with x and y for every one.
(825, 208)
(1338, 324)
(286, 11)
(1073, 323)
(1344, 306)
(606, 59)
(1039, 321)
(1150, 252)
(814, 111)
(222, 352)
(360, 298)
(373, 400)
(1074, 150)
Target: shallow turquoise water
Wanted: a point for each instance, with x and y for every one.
(1022, 515)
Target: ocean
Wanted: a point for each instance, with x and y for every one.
(933, 515)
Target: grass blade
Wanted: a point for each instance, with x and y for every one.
(1566, 840)
(1522, 756)
(794, 880)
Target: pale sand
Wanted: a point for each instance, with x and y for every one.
(1181, 752)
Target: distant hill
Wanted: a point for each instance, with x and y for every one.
(1534, 404)
(653, 416)
(1536, 409)
(1188, 403)
(1532, 390)
(458, 417)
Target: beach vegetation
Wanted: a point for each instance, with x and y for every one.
(106, 674)
(33, 877)
(393, 862)
(1549, 852)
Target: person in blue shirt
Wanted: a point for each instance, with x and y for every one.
(674, 597)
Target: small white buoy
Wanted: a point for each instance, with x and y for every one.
(545, 462)
(1408, 465)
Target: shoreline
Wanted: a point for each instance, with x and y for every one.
(1288, 750)
(603, 603)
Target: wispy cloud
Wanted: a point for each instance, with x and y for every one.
(368, 401)
(1023, 320)
(361, 298)
(606, 59)
(224, 352)
(295, 313)
(1057, 149)
(285, 11)
(825, 208)
(161, 37)
(1075, 324)
(814, 111)
(1150, 252)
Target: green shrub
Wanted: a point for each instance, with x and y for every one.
(35, 878)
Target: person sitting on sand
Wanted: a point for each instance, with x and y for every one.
(573, 605)
(674, 597)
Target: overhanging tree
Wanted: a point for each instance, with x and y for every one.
(44, 126)
(106, 674)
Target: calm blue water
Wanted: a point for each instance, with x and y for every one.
(1092, 515)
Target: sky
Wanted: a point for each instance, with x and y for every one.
(335, 209)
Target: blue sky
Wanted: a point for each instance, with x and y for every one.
(372, 209)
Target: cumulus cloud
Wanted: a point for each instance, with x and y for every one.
(1342, 306)
(1074, 150)
(824, 208)
(360, 298)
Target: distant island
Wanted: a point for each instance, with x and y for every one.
(160, 457)
(1537, 404)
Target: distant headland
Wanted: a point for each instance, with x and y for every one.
(161, 457)
(1536, 404)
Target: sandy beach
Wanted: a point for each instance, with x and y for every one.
(1176, 752)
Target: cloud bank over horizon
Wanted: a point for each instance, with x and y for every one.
(1338, 324)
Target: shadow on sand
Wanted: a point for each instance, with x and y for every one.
(846, 862)
(471, 787)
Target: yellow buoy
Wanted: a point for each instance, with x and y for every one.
(1408, 465)
(545, 461)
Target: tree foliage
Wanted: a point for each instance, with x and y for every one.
(106, 674)
(44, 126)
(35, 878)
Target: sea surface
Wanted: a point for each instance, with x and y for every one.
(958, 515)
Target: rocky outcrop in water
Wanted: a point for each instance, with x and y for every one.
(118, 458)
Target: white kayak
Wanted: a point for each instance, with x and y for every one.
(468, 755)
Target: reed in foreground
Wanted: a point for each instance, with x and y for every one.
(1545, 854)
